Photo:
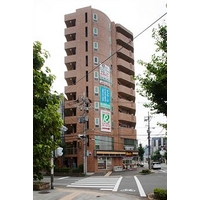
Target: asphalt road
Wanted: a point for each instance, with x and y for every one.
(128, 182)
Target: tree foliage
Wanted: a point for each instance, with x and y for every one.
(156, 156)
(141, 152)
(47, 121)
(153, 82)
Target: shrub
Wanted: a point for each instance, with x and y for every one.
(160, 194)
(145, 171)
(78, 170)
(62, 169)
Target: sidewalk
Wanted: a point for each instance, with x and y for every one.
(80, 194)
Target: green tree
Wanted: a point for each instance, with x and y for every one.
(153, 82)
(47, 121)
(156, 156)
(141, 152)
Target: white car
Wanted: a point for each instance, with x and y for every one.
(156, 165)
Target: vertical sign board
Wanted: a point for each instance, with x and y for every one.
(105, 121)
(104, 97)
(104, 76)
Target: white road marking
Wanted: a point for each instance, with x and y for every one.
(117, 184)
(63, 177)
(103, 183)
(140, 188)
(129, 190)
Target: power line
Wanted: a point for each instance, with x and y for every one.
(120, 48)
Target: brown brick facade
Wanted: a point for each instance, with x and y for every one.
(91, 35)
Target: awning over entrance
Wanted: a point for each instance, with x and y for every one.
(108, 153)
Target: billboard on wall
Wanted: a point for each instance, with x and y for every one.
(104, 97)
(105, 121)
(104, 74)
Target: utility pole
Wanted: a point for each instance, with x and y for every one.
(52, 167)
(84, 119)
(149, 147)
(149, 150)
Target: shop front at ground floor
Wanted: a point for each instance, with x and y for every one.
(100, 160)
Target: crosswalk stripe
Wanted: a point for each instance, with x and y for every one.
(103, 183)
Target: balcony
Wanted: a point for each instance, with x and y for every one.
(126, 93)
(126, 80)
(125, 90)
(125, 52)
(124, 41)
(71, 96)
(125, 66)
(127, 105)
(70, 74)
(125, 57)
(70, 34)
(70, 59)
(123, 117)
(70, 49)
(69, 89)
(124, 31)
(71, 120)
(70, 20)
(70, 66)
(70, 77)
(127, 132)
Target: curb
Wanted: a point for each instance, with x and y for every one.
(150, 196)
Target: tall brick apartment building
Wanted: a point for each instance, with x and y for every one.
(100, 105)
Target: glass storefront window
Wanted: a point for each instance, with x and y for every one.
(105, 163)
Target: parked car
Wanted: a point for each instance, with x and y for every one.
(140, 164)
(156, 165)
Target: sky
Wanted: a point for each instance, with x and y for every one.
(135, 15)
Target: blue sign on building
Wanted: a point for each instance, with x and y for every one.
(104, 97)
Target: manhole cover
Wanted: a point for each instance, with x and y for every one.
(44, 192)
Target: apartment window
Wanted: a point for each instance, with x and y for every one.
(86, 91)
(86, 76)
(95, 46)
(104, 142)
(96, 90)
(96, 106)
(95, 31)
(96, 75)
(86, 60)
(95, 17)
(86, 31)
(96, 122)
(86, 17)
(96, 60)
(86, 46)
